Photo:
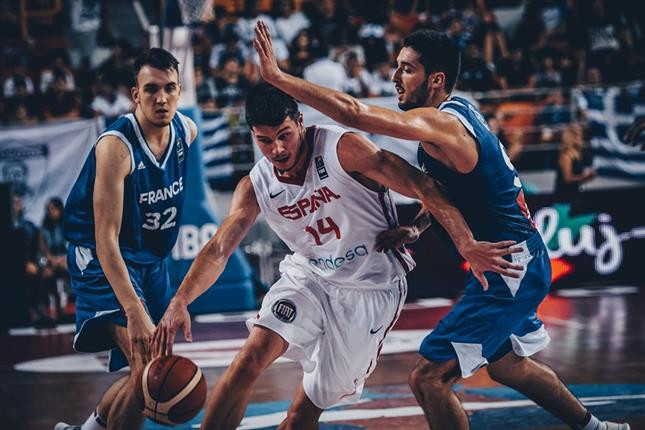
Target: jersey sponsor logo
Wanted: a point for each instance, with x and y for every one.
(320, 167)
(180, 150)
(309, 205)
(335, 263)
(141, 166)
(372, 331)
(284, 310)
(273, 196)
(162, 194)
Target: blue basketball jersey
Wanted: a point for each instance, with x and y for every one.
(153, 194)
(490, 197)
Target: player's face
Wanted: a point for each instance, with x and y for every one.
(157, 94)
(283, 145)
(410, 80)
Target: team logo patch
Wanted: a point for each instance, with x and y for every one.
(180, 149)
(284, 310)
(320, 168)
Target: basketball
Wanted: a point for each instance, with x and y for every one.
(171, 390)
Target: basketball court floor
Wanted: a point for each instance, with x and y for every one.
(598, 347)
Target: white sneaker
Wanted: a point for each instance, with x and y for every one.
(65, 426)
(608, 425)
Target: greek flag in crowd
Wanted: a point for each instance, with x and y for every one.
(609, 112)
(217, 148)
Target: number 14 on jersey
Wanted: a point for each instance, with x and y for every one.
(323, 226)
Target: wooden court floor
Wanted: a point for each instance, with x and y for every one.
(598, 348)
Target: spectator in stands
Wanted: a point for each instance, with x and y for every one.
(476, 74)
(230, 85)
(492, 38)
(204, 90)
(118, 65)
(17, 74)
(36, 300)
(326, 18)
(324, 71)
(548, 75)
(288, 22)
(110, 101)
(301, 52)
(59, 64)
(381, 81)
(22, 107)
(53, 248)
(231, 45)
(58, 102)
(553, 117)
(608, 39)
(357, 83)
(573, 163)
(515, 70)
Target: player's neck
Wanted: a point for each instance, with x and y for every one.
(302, 164)
(154, 135)
(435, 99)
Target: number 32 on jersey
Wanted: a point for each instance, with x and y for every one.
(154, 219)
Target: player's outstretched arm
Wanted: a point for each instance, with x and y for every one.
(113, 164)
(421, 124)
(357, 154)
(208, 266)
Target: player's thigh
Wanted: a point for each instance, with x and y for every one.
(120, 335)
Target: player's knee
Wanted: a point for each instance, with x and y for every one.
(299, 420)
(429, 377)
(507, 372)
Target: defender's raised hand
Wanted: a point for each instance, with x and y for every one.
(263, 45)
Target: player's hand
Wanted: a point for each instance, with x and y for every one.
(396, 237)
(264, 46)
(140, 330)
(176, 317)
(488, 257)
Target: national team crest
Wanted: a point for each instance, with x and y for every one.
(284, 310)
(320, 167)
(180, 149)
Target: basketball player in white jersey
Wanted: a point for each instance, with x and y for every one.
(322, 190)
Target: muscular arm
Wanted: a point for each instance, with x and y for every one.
(211, 260)
(357, 154)
(113, 164)
(422, 124)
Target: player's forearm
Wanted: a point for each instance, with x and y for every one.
(449, 217)
(337, 105)
(205, 270)
(116, 272)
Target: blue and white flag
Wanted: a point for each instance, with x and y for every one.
(610, 111)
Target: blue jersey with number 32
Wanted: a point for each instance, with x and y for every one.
(153, 194)
(490, 197)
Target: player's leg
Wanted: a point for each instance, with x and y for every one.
(540, 383)
(124, 412)
(302, 413)
(226, 406)
(431, 384)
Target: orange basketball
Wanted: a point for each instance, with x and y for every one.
(171, 390)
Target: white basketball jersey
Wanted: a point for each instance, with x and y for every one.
(329, 220)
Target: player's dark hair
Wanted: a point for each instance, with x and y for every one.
(267, 105)
(438, 53)
(157, 58)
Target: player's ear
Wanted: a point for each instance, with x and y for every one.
(134, 92)
(436, 80)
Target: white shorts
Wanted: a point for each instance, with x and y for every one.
(335, 333)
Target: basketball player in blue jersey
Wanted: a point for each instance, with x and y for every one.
(121, 221)
(495, 323)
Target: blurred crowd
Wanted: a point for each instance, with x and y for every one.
(47, 289)
(350, 45)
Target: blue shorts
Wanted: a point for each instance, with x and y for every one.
(97, 305)
(485, 325)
